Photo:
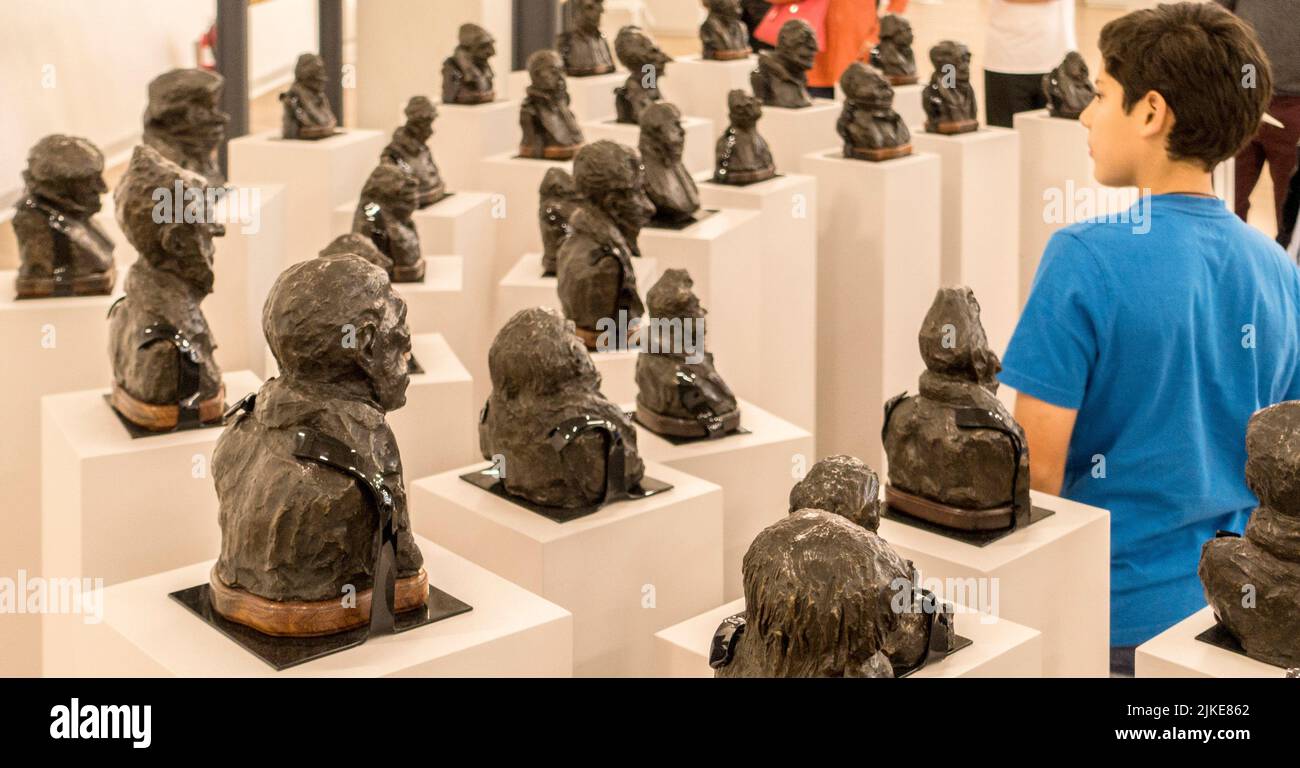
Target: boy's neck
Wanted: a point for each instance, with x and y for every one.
(1166, 177)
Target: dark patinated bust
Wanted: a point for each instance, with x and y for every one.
(409, 149)
(956, 456)
(164, 371)
(1069, 87)
(467, 73)
(949, 100)
(679, 392)
(184, 121)
(596, 283)
(645, 62)
(298, 533)
(62, 251)
(558, 198)
(1253, 582)
(583, 47)
(742, 156)
(781, 78)
(669, 185)
(542, 378)
(357, 245)
(893, 55)
(388, 199)
(723, 34)
(549, 128)
(841, 484)
(307, 111)
(870, 127)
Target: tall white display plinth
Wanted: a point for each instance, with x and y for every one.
(793, 133)
(468, 133)
(246, 263)
(516, 180)
(1177, 653)
(592, 98)
(700, 86)
(697, 155)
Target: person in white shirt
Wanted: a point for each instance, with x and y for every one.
(1026, 39)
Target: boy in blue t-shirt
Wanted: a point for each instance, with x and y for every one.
(1147, 343)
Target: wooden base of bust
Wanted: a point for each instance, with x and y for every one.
(731, 55)
(95, 284)
(300, 618)
(409, 273)
(589, 72)
(877, 155)
(902, 79)
(678, 427)
(948, 516)
(163, 418)
(955, 126)
(563, 152)
(741, 178)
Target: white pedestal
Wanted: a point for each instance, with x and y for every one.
(723, 252)
(509, 633)
(515, 180)
(51, 345)
(753, 470)
(787, 360)
(673, 18)
(592, 98)
(524, 287)
(1053, 576)
(700, 138)
(793, 133)
(317, 176)
(617, 375)
(981, 211)
(246, 263)
(877, 273)
(468, 133)
(624, 572)
(1177, 653)
(998, 648)
(700, 86)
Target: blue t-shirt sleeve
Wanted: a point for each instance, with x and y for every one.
(1055, 344)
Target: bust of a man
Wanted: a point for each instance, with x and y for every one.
(467, 74)
(841, 484)
(184, 121)
(383, 214)
(298, 533)
(409, 149)
(1069, 87)
(645, 62)
(723, 34)
(357, 244)
(741, 155)
(870, 127)
(595, 279)
(62, 251)
(781, 78)
(542, 380)
(669, 185)
(583, 46)
(307, 110)
(949, 99)
(558, 200)
(164, 371)
(893, 55)
(549, 128)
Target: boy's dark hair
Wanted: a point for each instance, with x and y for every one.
(1205, 62)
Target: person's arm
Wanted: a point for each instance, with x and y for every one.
(1047, 430)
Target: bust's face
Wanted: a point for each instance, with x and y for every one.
(670, 134)
(903, 36)
(388, 364)
(549, 77)
(872, 91)
(803, 50)
(630, 206)
(729, 9)
(587, 13)
(313, 75)
(204, 119)
(483, 49)
(957, 57)
(190, 252)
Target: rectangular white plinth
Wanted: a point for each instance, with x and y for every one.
(700, 86)
(998, 649)
(1053, 576)
(753, 470)
(524, 287)
(246, 263)
(697, 155)
(877, 273)
(980, 224)
(317, 176)
(624, 572)
(592, 98)
(673, 18)
(787, 311)
(723, 251)
(1177, 653)
(793, 133)
(468, 133)
(509, 633)
(515, 181)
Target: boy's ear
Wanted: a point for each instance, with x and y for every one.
(1156, 116)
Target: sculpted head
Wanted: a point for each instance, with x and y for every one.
(536, 353)
(394, 189)
(420, 114)
(1273, 457)
(586, 15)
(639, 53)
(949, 56)
(866, 86)
(842, 485)
(186, 102)
(895, 29)
(612, 177)
(661, 127)
(797, 43)
(952, 338)
(743, 108)
(357, 244)
(310, 71)
(546, 71)
(68, 171)
(727, 9)
(477, 42)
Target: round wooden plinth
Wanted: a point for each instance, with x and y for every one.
(413, 273)
(309, 619)
(84, 285)
(958, 126)
(565, 152)
(739, 53)
(876, 155)
(950, 517)
(162, 418)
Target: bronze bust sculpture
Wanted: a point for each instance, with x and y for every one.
(781, 78)
(841, 484)
(679, 392)
(723, 35)
(596, 283)
(164, 371)
(549, 128)
(949, 99)
(583, 47)
(307, 111)
(645, 62)
(741, 155)
(356, 244)
(557, 441)
(1069, 87)
(62, 251)
(1253, 582)
(870, 127)
(669, 185)
(383, 214)
(558, 200)
(893, 54)
(409, 149)
(956, 456)
(184, 121)
(467, 73)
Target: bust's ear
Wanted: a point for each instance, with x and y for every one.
(366, 342)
